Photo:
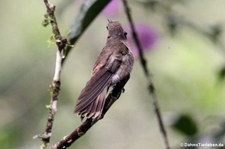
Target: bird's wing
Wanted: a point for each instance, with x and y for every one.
(98, 82)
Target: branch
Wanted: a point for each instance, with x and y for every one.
(151, 88)
(208, 33)
(90, 9)
(213, 33)
(55, 85)
(88, 123)
(88, 12)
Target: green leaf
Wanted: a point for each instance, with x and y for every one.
(185, 125)
(215, 33)
(152, 4)
(172, 25)
(221, 73)
(88, 12)
(9, 137)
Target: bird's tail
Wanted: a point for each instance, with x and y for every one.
(92, 98)
(94, 110)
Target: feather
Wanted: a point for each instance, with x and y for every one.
(93, 89)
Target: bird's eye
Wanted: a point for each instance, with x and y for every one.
(125, 34)
(107, 27)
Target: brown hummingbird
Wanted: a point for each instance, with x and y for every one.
(114, 63)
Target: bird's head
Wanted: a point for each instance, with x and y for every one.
(115, 30)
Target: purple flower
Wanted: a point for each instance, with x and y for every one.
(147, 36)
(112, 9)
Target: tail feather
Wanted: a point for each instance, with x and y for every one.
(88, 100)
(97, 108)
(94, 110)
(92, 99)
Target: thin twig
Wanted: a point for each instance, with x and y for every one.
(88, 123)
(166, 10)
(204, 32)
(55, 86)
(151, 87)
(88, 12)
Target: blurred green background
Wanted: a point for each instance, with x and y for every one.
(186, 67)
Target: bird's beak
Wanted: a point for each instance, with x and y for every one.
(109, 20)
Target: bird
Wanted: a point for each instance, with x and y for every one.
(114, 63)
